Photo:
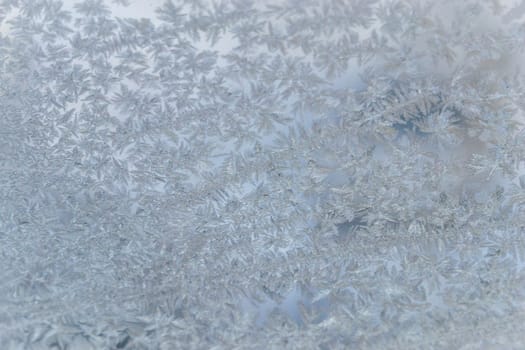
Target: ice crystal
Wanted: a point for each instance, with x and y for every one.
(195, 174)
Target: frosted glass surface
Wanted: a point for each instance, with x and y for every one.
(277, 174)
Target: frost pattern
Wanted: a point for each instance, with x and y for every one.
(334, 174)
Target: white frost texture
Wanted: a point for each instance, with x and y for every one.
(262, 174)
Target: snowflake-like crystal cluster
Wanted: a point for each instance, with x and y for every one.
(241, 174)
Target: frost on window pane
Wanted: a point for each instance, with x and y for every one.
(330, 174)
